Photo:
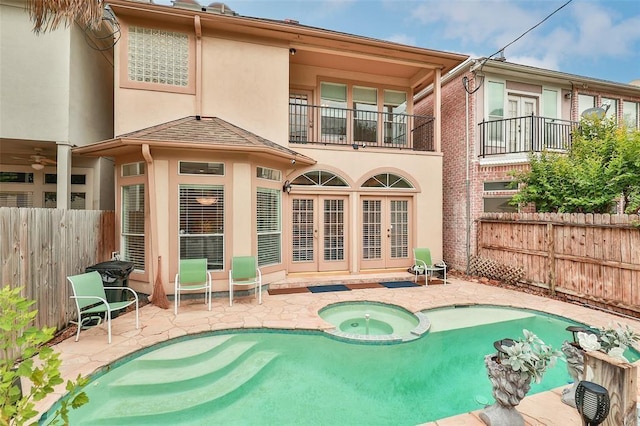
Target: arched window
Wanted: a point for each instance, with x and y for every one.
(387, 180)
(319, 178)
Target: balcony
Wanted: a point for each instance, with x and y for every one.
(313, 124)
(525, 134)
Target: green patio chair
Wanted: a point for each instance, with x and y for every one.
(192, 275)
(89, 295)
(245, 272)
(423, 265)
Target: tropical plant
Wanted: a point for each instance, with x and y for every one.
(612, 340)
(47, 15)
(529, 355)
(25, 355)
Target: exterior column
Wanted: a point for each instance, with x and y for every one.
(437, 111)
(242, 211)
(63, 188)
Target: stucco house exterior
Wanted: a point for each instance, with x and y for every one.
(494, 114)
(244, 136)
(56, 92)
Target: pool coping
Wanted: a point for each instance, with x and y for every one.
(299, 312)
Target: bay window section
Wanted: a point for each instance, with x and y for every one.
(333, 111)
(268, 218)
(132, 227)
(202, 224)
(365, 119)
(395, 120)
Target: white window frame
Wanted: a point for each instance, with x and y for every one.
(126, 235)
(273, 230)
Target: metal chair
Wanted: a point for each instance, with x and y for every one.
(89, 295)
(192, 275)
(245, 272)
(423, 264)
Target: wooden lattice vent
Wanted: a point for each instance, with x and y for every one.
(483, 267)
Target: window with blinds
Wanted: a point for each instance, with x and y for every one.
(133, 244)
(16, 199)
(202, 224)
(268, 226)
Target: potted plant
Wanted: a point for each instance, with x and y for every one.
(511, 371)
(612, 340)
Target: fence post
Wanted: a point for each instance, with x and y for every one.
(551, 261)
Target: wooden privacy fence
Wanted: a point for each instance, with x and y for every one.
(39, 248)
(590, 257)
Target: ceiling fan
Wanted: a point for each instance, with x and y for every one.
(38, 161)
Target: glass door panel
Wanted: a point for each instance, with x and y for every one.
(319, 234)
(386, 232)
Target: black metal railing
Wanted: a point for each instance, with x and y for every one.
(525, 134)
(359, 128)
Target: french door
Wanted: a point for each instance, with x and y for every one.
(386, 232)
(319, 233)
(520, 131)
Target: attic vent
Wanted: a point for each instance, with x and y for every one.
(187, 4)
(220, 8)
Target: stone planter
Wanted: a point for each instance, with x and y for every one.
(509, 388)
(575, 367)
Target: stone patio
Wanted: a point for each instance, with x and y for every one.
(300, 311)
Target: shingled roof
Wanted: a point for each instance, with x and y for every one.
(207, 131)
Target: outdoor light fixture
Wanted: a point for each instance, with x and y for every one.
(292, 51)
(37, 166)
(286, 187)
(498, 344)
(592, 401)
(575, 329)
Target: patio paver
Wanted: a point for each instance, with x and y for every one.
(300, 311)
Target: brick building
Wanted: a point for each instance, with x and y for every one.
(494, 113)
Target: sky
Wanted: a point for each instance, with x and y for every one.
(592, 38)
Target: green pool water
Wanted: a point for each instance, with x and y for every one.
(289, 378)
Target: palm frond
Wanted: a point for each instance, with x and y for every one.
(47, 15)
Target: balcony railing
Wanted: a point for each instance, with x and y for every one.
(312, 124)
(525, 134)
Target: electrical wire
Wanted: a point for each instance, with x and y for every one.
(465, 80)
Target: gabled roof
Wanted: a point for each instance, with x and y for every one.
(211, 133)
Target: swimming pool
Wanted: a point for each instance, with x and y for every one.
(284, 377)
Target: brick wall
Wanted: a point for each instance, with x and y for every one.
(455, 153)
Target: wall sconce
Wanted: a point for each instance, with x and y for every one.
(293, 51)
(592, 402)
(567, 95)
(286, 187)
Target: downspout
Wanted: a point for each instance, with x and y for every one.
(467, 183)
(198, 83)
(151, 189)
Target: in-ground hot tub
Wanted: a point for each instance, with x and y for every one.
(374, 322)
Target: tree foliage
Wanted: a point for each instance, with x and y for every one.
(23, 353)
(602, 166)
